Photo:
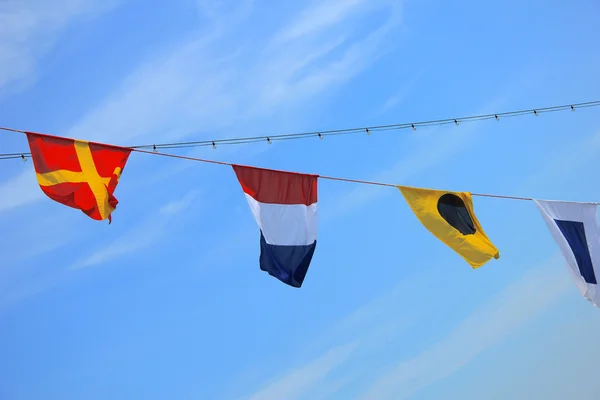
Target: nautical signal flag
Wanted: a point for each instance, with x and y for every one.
(284, 205)
(449, 216)
(574, 227)
(77, 173)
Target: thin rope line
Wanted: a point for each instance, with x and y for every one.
(12, 130)
(336, 132)
(332, 178)
(499, 196)
(182, 157)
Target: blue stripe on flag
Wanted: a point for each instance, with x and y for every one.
(289, 264)
(574, 232)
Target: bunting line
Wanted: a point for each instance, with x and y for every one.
(336, 132)
(331, 178)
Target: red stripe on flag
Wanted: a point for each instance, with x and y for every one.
(277, 187)
(107, 158)
(75, 195)
(52, 153)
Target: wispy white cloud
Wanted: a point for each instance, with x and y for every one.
(135, 240)
(400, 95)
(428, 154)
(370, 322)
(566, 350)
(20, 190)
(32, 239)
(317, 17)
(213, 10)
(30, 28)
(573, 156)
(367, 329)
(207, 84)
(303, 382)
(393, 100)
(370, 331)
(325, 57)
(492, 322)
(20, 279)
(177, 206)
(140, 237)
(10, 296)
(25, 269)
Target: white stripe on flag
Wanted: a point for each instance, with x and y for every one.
(285, 224)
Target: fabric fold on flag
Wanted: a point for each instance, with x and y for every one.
(450, 217)
(574, 227)
(284, 205)
(78, 174)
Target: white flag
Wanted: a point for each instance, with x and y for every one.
(575, 229)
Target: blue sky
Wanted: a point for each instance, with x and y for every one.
(168, 302)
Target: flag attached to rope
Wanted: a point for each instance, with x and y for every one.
(449, 216)
(575, 229)
(78, 174)
(284, 205)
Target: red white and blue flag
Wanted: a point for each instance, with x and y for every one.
(284, 205)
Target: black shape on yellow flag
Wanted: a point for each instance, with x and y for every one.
(450, 217)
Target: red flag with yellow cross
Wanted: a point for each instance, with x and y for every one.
(77, 173)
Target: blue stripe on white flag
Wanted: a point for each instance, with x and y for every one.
(574, 232)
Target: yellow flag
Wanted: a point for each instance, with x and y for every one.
(450, 217)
